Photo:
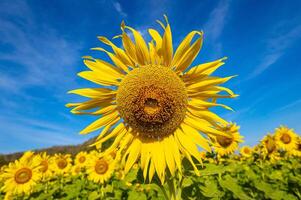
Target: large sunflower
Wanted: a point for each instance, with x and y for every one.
(227, 145)
(21, 176)
(152, 101)
(286, 138)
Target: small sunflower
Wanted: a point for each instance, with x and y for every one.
(152, 101)
(269, 147)
(46, 162)
(286, 138)
(62, 163)
(227, 145)
(297, 150)
(77, 169)
(100, 169)
(246, 151)
(81, 158)
(21, 176)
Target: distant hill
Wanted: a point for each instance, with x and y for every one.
(71, 149)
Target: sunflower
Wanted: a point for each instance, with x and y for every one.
(100, 169)
(62, 163)
(269, 147)
(77, 169)
(81, 158)
(45, 161)
(151, 101)
(227, 145)
(297, 150)
(246, 151)
(286, 138)
(21, 176)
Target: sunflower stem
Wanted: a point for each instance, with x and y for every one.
(164, 192)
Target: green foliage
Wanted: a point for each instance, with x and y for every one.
(232, 179)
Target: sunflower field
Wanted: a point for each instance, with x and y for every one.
(265, 171)
(159, 137)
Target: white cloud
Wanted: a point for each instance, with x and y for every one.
(276, 46)
(119, 9)
(215, 25)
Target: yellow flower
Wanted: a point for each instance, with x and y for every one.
(246, 151)
(45, 162)
(154, 102)
(21, 176)
(77, 169)
(62, 163)
(286, 138)
(81, 159)
(100, 169)
(269, 147)
(297, 150)
(227, 145)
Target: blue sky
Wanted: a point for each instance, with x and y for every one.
(41, 44)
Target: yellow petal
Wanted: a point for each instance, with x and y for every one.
(196, 136)
(170, 160)
(133, 153)
(183, 47)
(209, 82)
(129, 47)
(101, 79)
(156, 37)
(141, 47)
(188, 144)
(189, 56)
(203, 126)
(118, 51)
(101, 66)
(103, 121)
(93, 92)
(114, 58)
(204, 69)
(167, 49)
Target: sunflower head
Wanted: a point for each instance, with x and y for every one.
(100, 169)
(286, 138)
(226, 145)
(246, 151)
(62, 163)
(269, 147)
(81, 158)
(21, 176)
(45, 165)
(152, 101)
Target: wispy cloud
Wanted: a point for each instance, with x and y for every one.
(36, 133)
(290, 105)
(119, 9)
(41, 54)
(215, 25)
(276, 46)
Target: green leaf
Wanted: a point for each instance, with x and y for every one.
(210, 189)
(134, 195)
(93, 195)
(271, 192)
(229, 183)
